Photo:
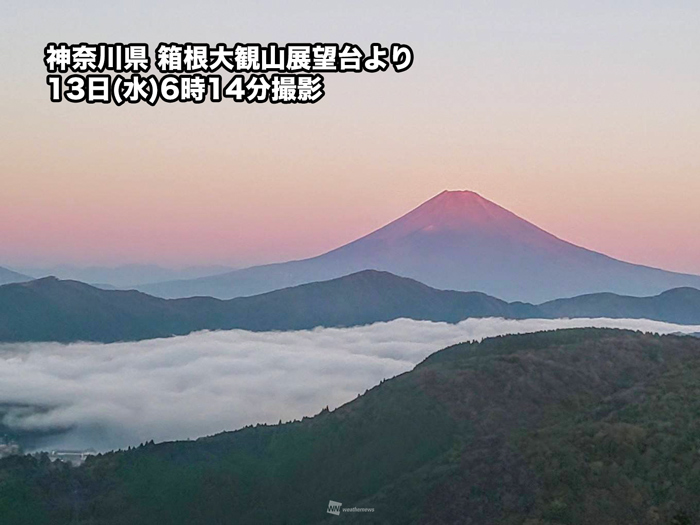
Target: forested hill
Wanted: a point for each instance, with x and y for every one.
(50, 309)
(567, 427)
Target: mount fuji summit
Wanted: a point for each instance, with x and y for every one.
(457, 240)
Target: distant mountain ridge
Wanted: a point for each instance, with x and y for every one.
(457, 241)
(53, 310)
(679, 306)
(124, 276)
(8, 276)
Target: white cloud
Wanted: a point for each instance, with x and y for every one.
(121, 394)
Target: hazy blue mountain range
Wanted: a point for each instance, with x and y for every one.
(456, 241)
(8, 276)
(53, 310)
(123, 276)
(568, 427)
(680, 306)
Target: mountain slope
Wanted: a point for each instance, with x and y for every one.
(124, 276)
(458, 241)
(573, 426)
(52, 310)
(8, 277)
(680, 306)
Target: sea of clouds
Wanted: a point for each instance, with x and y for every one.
(105, 396)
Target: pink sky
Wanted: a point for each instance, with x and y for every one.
(583, 121)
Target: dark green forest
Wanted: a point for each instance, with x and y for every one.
(573, 427)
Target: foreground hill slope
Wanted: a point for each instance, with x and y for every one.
(576, 426)
(65, 311)
(457, 240)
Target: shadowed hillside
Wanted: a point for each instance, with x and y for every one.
(52, 310)
(680, 306)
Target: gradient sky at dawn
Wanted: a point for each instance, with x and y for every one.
(583, 117)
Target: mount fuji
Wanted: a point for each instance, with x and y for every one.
(457, 240)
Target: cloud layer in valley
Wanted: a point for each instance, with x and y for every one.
(110, 396)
